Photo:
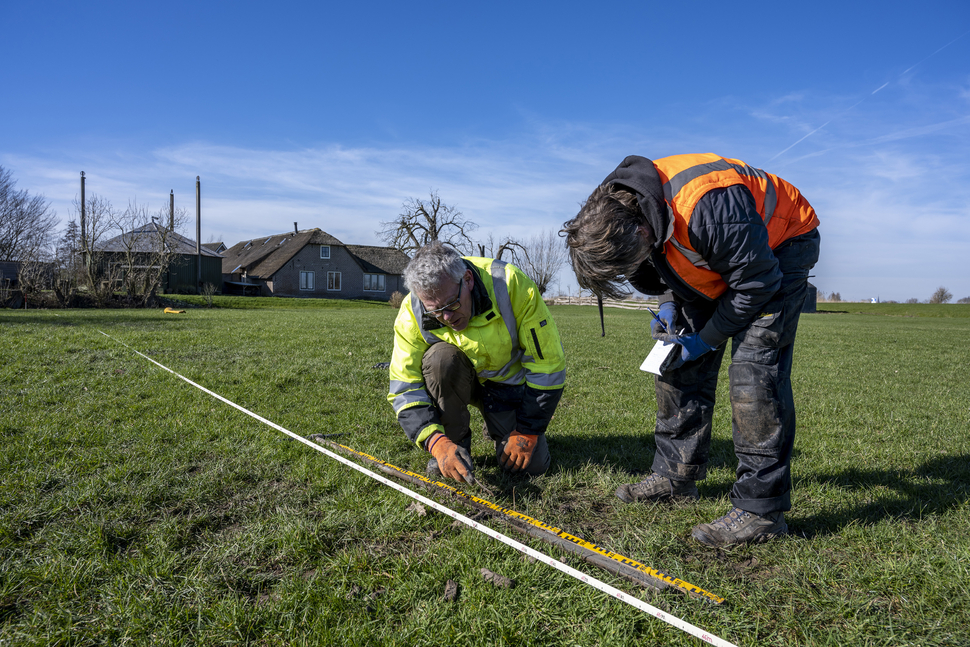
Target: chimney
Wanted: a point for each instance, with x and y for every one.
(296, 230)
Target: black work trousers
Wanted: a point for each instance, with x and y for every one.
(762, 402)
(453, 385)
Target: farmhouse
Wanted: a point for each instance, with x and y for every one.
(312, 263)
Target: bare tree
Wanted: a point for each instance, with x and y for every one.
(26, 222)
(425, 221)
(489, 248)
(942, 295)
(545, 254)
(964, 300)
(85, 255)
(912, 300)
(35, 274)
(144, 250)
(68, 265)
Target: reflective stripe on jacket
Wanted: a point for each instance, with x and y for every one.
(687, 178)
(512, 341)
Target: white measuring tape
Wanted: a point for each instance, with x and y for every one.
(555, 563)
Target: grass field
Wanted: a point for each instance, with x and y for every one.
(135, 509)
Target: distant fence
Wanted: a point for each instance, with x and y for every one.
(626, 304)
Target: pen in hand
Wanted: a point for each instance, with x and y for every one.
(659, 320)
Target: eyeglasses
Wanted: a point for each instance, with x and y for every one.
(437, 313)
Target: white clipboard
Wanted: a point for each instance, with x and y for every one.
(661, 350)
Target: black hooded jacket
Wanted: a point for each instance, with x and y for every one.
(726, 230)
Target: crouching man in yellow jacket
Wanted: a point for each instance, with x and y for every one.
(475, 331)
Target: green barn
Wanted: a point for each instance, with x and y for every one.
(146, 247)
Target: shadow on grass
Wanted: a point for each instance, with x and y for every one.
(935, 487)
(632, 454)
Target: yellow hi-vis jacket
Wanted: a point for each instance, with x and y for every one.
(511, 340)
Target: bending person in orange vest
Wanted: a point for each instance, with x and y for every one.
(728, 248)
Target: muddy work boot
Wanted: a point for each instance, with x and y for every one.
(741, 527)
(657, 488)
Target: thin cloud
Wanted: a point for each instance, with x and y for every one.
(881, 183)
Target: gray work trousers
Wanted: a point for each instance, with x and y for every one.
(453, 385)
(762, 402)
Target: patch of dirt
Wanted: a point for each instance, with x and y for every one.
(735, 564)
(499, 581)
(418, 509)
(478, 516)
(451, 591)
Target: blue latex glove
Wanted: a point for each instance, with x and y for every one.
(692, 347)
(668, 314)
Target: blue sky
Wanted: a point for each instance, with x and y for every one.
(333, 114)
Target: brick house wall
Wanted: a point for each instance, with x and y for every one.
(286, 281)
(280, 264)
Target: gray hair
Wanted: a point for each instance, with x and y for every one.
(431, 266)
(604, 241)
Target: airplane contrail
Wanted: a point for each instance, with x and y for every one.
(901, 74)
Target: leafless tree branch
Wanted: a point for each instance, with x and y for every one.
(545, 254)
(425, 221)
(26, 222)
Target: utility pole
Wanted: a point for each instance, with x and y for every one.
(171, 211)
(198, 232)
(83, 230)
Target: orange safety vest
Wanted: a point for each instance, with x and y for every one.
(686, 178)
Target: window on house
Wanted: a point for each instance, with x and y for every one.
(306, 280)
(333, 280)
(324, 251)
(374, 282)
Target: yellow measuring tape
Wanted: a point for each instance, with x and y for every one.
(677, 583)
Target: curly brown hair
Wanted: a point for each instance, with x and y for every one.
(606, 242)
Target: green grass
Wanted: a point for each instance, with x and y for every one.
(949, 310)
(136, 509)
(263, 303)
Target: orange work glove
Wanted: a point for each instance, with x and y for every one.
(454, 461)
(517, 453)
